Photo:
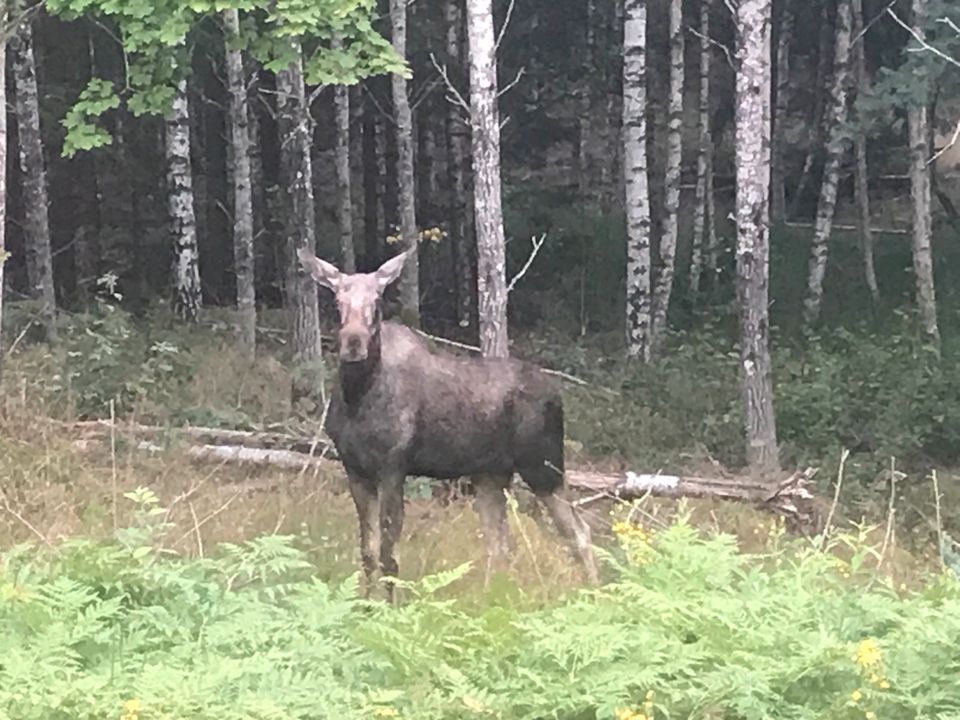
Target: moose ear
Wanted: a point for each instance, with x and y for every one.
(390, 270)
(323, 272)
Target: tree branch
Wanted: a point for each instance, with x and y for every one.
(716, 43)
(453, 95)
(503, 30)
(537, 243)
(511, 85)
(924, 45)
(953, 141)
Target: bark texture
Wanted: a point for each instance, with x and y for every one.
(36, 223)
(827, 204)
(458, 150)
(296, 176)
(704, 153)
(188, 296)
(753, 20)
(860, 169)
(920, 193)
(341, 103)
(636, 183)
(243, 262)
(3, 177)
(406, 192)
(487, 200)
(671, 178)
(778, 202)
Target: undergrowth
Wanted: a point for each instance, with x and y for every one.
(689, 626)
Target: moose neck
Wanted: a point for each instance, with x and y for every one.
(356, 378)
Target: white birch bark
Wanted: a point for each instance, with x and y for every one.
(704, 151)
(671, 179)
(827, 205)
(487, 199)
(458, 149)
(920, 194)
(406, 192)
(35, 196)
(355, 98)
(861, 189)
(637, 187)
(778, 202)
(243, 255)
(753, 20)
(188, 296)
(341, 109)
(296, 176)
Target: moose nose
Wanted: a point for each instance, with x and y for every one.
(352, 347)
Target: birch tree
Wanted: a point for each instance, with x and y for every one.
(3, 176)
(341, 109)
(671, 178)
(861, 190)
(36, 224)
(406, 194)
(827, 205)
(458, 148)
(920, 193)
(487, 200)
(241, 174)
(188, 297)
(296, 175)
(753, 21)
(704, 153)
(778, 202)
(637, 188)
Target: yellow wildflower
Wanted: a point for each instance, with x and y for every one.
(871, 715)
(884, 685)
(473, 704)
(868, 655)
(385, 711)
(856, 696)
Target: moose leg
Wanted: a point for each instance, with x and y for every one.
(491, 505)
(391, 525)
(368, 511)
(572, 528)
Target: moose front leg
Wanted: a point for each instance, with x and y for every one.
(365, 499)
(391, 525)
(573, 529)
(491, 504)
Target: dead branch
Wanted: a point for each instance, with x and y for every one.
(536, 243)
(850, 228)
(924, 45)
(453, 95)
(953, 141)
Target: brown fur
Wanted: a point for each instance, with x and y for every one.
(400, 408)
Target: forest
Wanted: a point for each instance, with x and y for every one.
(726, 230)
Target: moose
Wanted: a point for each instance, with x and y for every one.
(401, 408)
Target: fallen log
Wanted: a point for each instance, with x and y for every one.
(790, 497)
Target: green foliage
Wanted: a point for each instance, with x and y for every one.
(82, 132)
(689, 627)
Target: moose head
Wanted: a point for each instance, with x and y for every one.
(359, 297)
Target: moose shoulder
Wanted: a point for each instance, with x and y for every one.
(401, 408)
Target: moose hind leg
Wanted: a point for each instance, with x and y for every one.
(391, 526)
(365, 499)
(491, 506)
(572, 528)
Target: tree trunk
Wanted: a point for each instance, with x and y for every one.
(778, 202)
(636, 182)
(918, 126)
(860, 171)
(296, 175)
(3, 178)
(458, 148)
(704, 152)
(355, 99)
(406, 194)
(816, 123)
(35, 199)
(243, 254)
(188, 296)
(671, 179)
(372, 198)
(753, 20)
(827, 205)
(341, 102)
(487, 199)
(713, 249)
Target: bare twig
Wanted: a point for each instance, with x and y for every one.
(19, 337)
(453, 95)
(536, 243)
(873, 21)
(22, 520)
(924, 45)
(196, 529)
(836, 499)
(113, 461)
(315, 94)
(936, 500)
(208, 518)
(512, 84)
(716, 43)
(503, 30)
(850, 228)
(891, 512)
(953, 141)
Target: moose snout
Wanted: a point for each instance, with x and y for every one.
(353, 346)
